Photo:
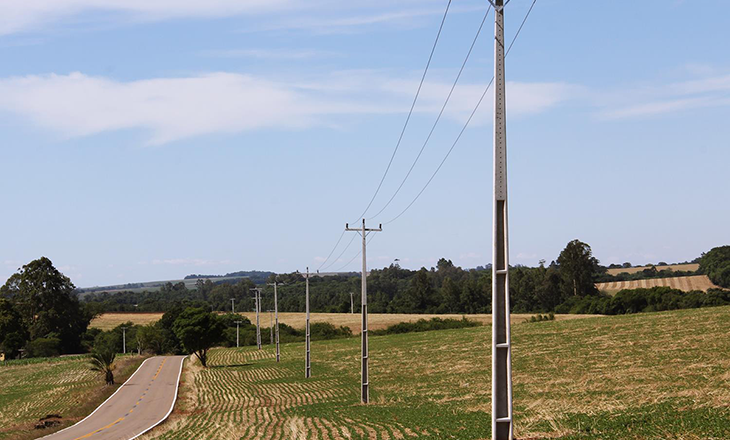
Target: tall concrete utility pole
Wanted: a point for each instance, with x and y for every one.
(364, 382)
(276, 318)
(502, 428)
(307, 364)
(257, 292)
(237, 324)
(271, 325)
(124, 340)
(352, 303)
(233, 307)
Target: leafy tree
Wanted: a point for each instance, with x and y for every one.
(11, 344)
(451, 293)
(577, 269)
(716, 265)
(151, 338)
(11, 323)
(45, 347)
(198, 330)
(46, 301)
(103, 361)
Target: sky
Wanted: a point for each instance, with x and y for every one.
(150, 140)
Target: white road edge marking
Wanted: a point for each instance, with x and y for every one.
(103, 403)
(174, 399)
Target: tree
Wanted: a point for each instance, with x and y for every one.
(13, 333)
(46, 301)
(198, 330)
(716, 265)
(103, 361)
(577, 268)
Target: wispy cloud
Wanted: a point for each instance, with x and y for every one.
(314, 15)
(177, 108)
(269, 54)
(712, 91)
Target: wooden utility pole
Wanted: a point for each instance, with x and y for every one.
(365, 384)
(502, 428)
(257, 293)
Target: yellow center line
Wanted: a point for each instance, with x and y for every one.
(130, 411)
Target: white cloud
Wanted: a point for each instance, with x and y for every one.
(22, 15)
(269, 54)
(177, 108)
(312, 15)
(706, 92)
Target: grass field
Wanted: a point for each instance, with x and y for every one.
(673, 267)
(645, 376)
(376, 321)
(63, 386)
(694, 282)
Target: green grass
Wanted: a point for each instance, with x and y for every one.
(33, 388)
(645, 376)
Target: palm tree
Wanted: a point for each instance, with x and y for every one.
(104, 362)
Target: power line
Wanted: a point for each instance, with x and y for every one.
(466, 124)
(410, 112)
(356, 255)
(341, 253)
(332, 251)
(438, 118)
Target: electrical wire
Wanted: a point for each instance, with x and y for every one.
(356, 255)
(341, 253)
(332, 251)
(438, 118)
(410, 113)
(466, 124)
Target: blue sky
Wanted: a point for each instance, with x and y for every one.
(149, 140)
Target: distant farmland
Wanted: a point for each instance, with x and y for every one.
(674, 267)
(686, 284)
(376, 321)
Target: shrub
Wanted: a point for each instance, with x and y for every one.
(423, 325)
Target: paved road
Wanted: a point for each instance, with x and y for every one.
(141, 403)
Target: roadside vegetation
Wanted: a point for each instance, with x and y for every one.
(41, 314)
(609, 378)
(32, 389)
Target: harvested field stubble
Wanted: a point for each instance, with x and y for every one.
(625, 377)
(377, 321)
(686, 284)
(63, 386)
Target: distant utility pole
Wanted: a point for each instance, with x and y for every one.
(271, 325)
(257, 293)
(365, 385)
(124, 340)
(276, 317)
(307, 365)
(237, 324)
(502, 428)
(233, 307)
(352, 303)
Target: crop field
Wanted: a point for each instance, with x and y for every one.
(687, 284)
(645, 376)
(30, 390)
(376, 321)
(674, 267)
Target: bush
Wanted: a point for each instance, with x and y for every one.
(423, 325)
(45, 347)
(540, 318)
(325, 330)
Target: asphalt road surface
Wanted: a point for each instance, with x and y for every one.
(141, 403)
